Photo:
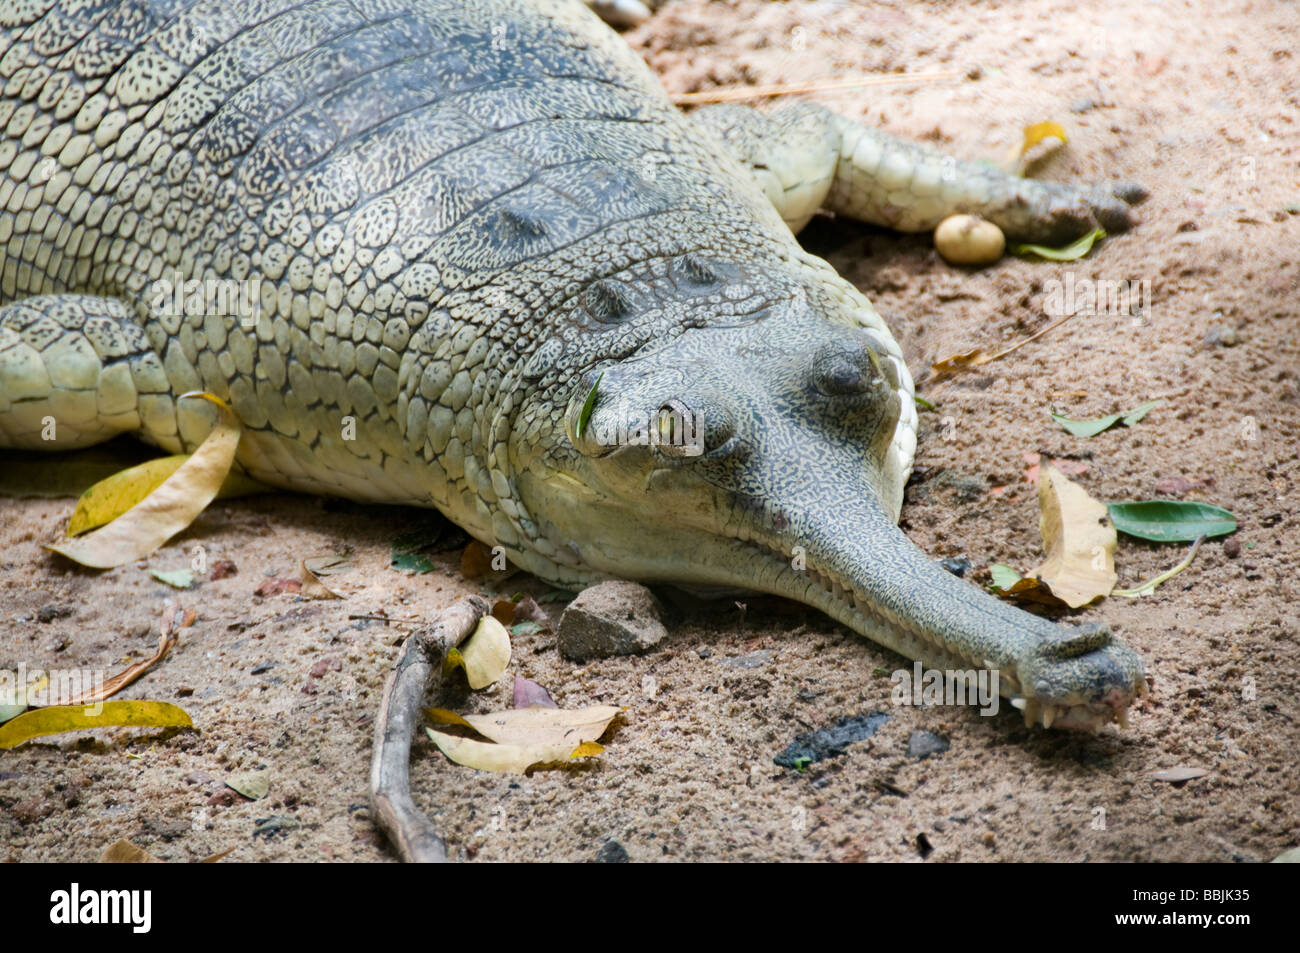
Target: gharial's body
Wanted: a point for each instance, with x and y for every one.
(450, 254)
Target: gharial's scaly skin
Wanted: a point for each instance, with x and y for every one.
(460, 218)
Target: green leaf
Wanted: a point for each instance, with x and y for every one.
(412, 562)
(176, 578)
(1171, 521)
(1090, 428)
(923, 403)
(1071, 252)
(60, 718)
(1004, 577)
(525, 628)
(588, 405)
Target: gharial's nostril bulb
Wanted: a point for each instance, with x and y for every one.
(842, 378)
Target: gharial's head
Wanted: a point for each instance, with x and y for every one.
(766, 448)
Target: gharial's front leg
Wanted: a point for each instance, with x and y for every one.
(806, 158)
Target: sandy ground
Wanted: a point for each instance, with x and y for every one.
(1200, 104)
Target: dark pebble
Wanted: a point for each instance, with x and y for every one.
(830, 742)
(612, 852)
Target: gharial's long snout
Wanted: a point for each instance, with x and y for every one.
(871, 577)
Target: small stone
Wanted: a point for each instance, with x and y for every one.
(51, 612)
(750, 660)
(1221, 336)
(922, 744)
(612, 852)
(222, 569)
(325, 665)
(608, 619)
(830, 742)
(1232, 547)
(957, 565)
(31, 810)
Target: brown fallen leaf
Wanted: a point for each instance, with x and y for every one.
(1078, 539)
(504, 612)
(172, 507)
(124, 852)
(116, 683)
(475, 560)
(960, 362)
(313, 568)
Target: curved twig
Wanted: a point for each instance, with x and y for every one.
(418, 665)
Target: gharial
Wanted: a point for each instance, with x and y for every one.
(481, 233)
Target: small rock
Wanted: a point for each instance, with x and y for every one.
(223, 568)
(612, 852)
(327, 664)
(957, 565)
(1082, 105)
(1232, 547)
(51, 612)
(1221, 336)
(750, 660)
(612, 618)
(830, 742)
(922, 744)
(275, 824)
(275, 587)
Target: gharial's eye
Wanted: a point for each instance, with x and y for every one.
(678, 430)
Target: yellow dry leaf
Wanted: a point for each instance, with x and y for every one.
(515, 759)
(539, 726)
(1078, 539)
(170, 508)
(56, 720)
(1053, 133)
(124, 852)
(484, 655)
(108, 499)
(441, 716)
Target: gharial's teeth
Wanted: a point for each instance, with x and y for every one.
(1031, 711)
(1122, 717)
(1049, 715)
(1143, 688)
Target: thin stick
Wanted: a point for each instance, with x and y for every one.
(1032, 337)
(1149, 587)
(738, 93)
(418, 665)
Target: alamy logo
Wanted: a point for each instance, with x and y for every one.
(931, 687)
(199, 297)
(56, 686)
(75, 906)
(671, 428)
(1127, 297)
